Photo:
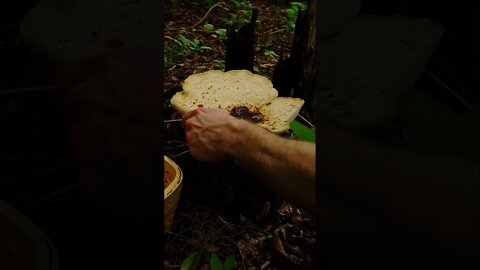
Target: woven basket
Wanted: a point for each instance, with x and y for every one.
(173, 185)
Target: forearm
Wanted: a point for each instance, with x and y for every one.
(284, 165)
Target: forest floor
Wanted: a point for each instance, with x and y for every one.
(223, 212)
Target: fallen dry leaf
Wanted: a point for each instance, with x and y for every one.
(277, 244)
(285, 209)
(296, 217)
(295, 249)
(265, 265)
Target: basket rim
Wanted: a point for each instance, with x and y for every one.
(175, 182)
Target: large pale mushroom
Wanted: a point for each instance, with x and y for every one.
(242, 94)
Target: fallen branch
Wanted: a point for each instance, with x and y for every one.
(206, 14)
(275, 31)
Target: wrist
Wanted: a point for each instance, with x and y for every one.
(234, 140)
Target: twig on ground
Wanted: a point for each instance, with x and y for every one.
(206, 14)
(274, 32)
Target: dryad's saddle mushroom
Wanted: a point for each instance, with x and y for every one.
(242, 94)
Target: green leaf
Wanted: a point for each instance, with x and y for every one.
(209, 27)
(265, 237)
(196, 43)
(215, 262)
(244, 21)
(256, 70)
(302, 6)
(302, 132)
(229, 263)
(185, 41)
(191, 262)
(270, 53)
(222, 32)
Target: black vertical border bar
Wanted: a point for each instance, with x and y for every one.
(162, 88)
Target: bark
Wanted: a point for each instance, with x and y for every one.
(241, 46)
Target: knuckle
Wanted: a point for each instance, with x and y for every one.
(188, 123)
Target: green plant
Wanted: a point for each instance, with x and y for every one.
(270, 53)
(302, 132)
(216, 263)
(196, 46)
(220, 64)
(222, 33)
(192, 261)
(209, 27)
(256, 69)
(241, 14)
(265, 237)
(179, 47)
(292, 12)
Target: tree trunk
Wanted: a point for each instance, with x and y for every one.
(241, 46)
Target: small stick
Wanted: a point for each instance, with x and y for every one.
(206, 14)
(303, 118)
(181, 154)
(172, 121)
(274, 32)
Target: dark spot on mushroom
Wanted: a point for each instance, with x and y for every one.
(242, 112)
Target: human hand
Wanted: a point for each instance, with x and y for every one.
(211, 133)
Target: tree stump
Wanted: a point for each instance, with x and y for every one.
(241, 46)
